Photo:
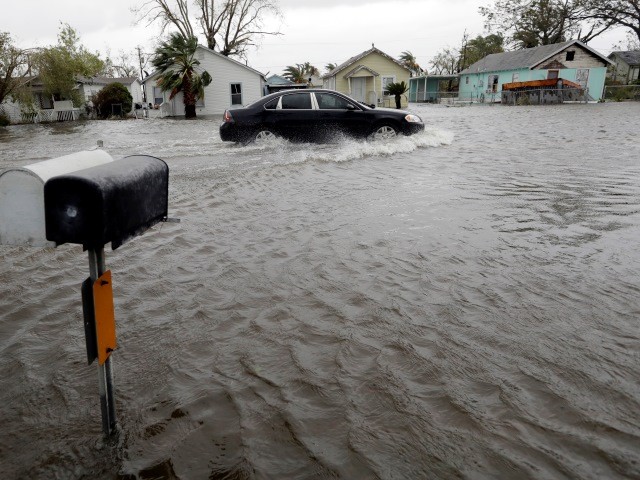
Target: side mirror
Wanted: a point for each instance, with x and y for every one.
(351, 107)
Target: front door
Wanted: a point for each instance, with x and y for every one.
(358, 88)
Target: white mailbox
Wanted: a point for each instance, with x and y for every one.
(22, 220)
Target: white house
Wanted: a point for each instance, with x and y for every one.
(89, 86)
(233, 85)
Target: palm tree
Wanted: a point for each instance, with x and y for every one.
(409, 60)
(330, 66)
(300, 72)
(180, 72)
(397, 90)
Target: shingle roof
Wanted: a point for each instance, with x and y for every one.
(355, 58)
(631, 57)
(527, 58)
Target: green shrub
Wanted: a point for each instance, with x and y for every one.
(113, 99)
(4, 119)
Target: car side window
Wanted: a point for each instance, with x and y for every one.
(326, 101)
(296, 101)
(271, 105)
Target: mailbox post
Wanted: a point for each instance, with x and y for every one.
(108, 202)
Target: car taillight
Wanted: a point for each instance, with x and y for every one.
(227, 117)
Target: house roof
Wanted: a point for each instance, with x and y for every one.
(278, 80)
(106, 80)
(155, 74)
(360, 56)
(630, 57)
(527, 58)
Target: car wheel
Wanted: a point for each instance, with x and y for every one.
(264, 135)
(383, 132)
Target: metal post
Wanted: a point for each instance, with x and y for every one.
(105, 372)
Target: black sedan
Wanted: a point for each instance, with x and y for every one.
(314, 114)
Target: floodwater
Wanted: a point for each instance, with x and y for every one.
(460, 304)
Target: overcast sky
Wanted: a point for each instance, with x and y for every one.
(317, 31)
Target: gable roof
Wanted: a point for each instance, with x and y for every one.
(360, 56)
(359, 68)
(156, 73)
(630, 57)
(527, 58)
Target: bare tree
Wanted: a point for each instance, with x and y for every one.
(228, 26)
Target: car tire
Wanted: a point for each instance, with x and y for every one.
(263, 135)
(384, 131)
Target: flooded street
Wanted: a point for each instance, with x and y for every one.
(463, 303)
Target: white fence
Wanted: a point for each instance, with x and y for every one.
(16, 115)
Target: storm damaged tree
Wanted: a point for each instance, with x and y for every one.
(14, 67)
(531, 23)
(180, 71)
(229, 27)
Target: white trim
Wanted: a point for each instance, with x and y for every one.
(231, 94)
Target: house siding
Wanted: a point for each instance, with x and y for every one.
(376, 62)
(582, 59)
(217, 95)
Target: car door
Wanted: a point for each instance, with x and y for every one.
(295, 117)
(339, 115)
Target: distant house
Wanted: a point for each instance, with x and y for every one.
(276, 83)
(89, 86)
(626, 66)
(365, 76)
(46, 109)
(233, 85)
(572, 60)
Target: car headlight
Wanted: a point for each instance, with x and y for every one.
(413, 119)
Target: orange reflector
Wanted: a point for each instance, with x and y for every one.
(105, 317)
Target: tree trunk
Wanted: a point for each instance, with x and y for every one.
(398, 101)
(189, 111)
(189, 97)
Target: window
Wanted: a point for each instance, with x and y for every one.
(386, 81)
(552, 74)
(326, 101)
(515, 77)
(271, 105)
(466, 80)
(570, 55)
(296, 101)
(158, 97)
(492, 83)
(236, 94)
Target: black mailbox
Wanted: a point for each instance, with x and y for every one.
(107, 203)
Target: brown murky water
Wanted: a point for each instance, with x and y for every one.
(461, 304)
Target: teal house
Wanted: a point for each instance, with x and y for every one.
(426, 88)
(572, 60)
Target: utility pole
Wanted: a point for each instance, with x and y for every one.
(144, 91)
